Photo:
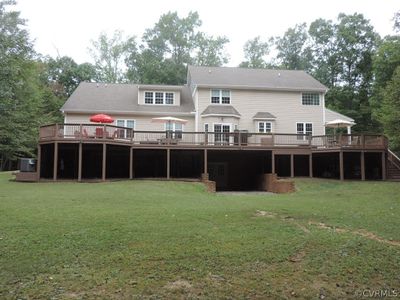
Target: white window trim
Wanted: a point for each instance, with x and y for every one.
(174, 126)
(258, 126)
(222, 124)
(220, 96)
(304, 127)
(312, 105)
(126, 122)
(154, 98)
(125, 126)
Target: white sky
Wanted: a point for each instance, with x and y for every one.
(69, 25)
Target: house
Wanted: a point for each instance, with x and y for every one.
(236, 125)
(214, 99)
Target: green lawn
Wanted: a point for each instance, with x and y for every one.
(145, 239)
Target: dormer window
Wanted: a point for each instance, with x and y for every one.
(148, 97)
(169, 98)
(159, 98)
(220, 96)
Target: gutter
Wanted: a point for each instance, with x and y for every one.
(262, 88)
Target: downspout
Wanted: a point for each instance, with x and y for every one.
(323, 112)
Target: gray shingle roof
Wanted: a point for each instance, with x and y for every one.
(287, 80)
(122, 98)
(220, 110)
(264, 115)
(331, 115)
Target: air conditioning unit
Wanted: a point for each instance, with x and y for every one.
(27, 165)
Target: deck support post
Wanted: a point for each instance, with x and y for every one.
(273, 162)
(310, 166)
(383, 165)
(168, 163)
(131, 163)
(55, 165)
(341, 168)
(104, 166)
(205, 171)
(80, 162)
(292, 165)
(362, 164)
(38, 161)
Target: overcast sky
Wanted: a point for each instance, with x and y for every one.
(67, 26)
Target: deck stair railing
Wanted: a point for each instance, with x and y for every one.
(393, 159)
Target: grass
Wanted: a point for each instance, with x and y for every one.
(143, 239)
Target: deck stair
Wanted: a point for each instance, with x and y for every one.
(393, 172)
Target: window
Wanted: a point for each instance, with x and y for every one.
(221, 133)
(175, 130)
(226, 97)
(220, 96)
(158, 98)
(206, 127)
(148, 97)
(304, 128)
(125, 133)
(264, 127)
(169, 98)
(310, 99)
(215, 96)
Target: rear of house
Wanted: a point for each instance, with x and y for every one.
(239, 124)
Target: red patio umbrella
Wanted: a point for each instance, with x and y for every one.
(101, 118)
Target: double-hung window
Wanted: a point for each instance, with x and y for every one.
(304, 128)
(148, 97)
(174, 130)
(264, 127)
(220, 96)
(125, 133)
(159, 98)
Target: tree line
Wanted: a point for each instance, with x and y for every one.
(360, 68)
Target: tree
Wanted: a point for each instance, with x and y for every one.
(255, 52)
(17, 99)
(325, 54)
(109, 55)
(63, 75)
(293, 51)
(170, 46)
(385, 62)
(396, 20)
(390, 113)
(211, 51)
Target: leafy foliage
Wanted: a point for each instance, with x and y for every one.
(63, 75)
(109, 54)
(255, 51)
(293, 51)
(390, 113)
(170, 46)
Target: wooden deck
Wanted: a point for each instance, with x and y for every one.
(333, 149)
(110, 134)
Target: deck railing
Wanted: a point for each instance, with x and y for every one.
(97, 132)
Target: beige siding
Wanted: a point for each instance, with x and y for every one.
(285, 106)
(141, 122)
